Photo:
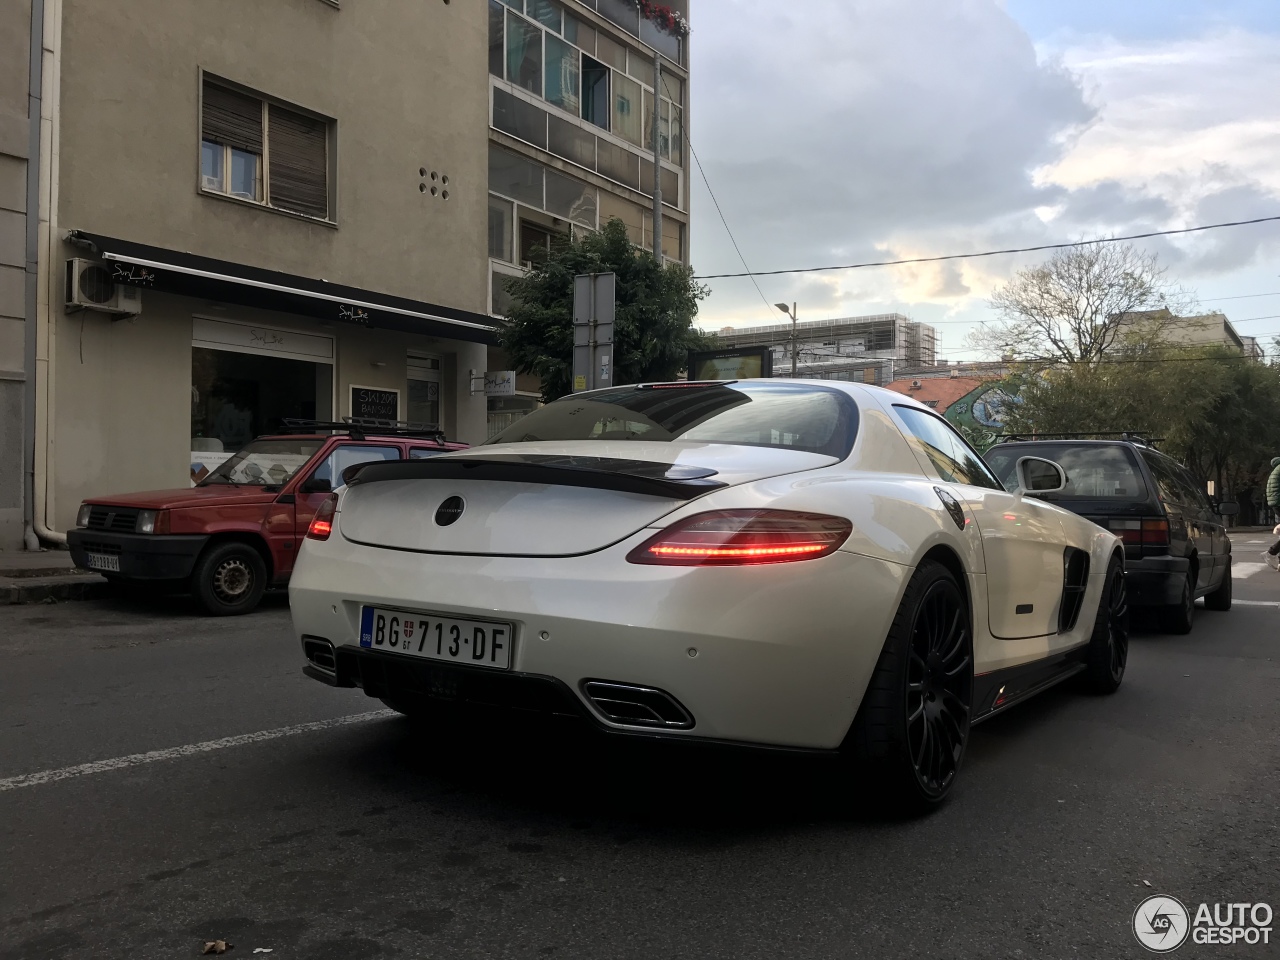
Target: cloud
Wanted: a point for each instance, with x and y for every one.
(848, 130)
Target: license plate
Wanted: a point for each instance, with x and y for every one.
(480, 643)
(102, 561)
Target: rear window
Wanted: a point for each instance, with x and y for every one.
(787, 415)
(1094, 471)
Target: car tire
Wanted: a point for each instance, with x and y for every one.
(1220, 599)
(229, 579)
(1108, 650)
(908, 738)
(1178, 617)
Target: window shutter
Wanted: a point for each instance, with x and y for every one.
(297, 166)
(232, 119)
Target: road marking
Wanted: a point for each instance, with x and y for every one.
(1257, 603)
(189, 750)
(1247, 569)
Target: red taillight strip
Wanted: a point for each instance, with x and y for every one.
(729, 537)
(659, 550)
(322, 523)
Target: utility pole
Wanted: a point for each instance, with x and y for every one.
(657, 158)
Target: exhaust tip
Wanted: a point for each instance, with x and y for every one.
(319, 651)
(637, 706)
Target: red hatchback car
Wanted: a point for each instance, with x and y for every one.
(237, 531)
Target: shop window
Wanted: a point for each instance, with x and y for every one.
(563, 83)
(500, 222)
(504, 411)
(595, 92)
(237, 396)
(520, 118)
(263, 152)
(424, 389)
(524, 54)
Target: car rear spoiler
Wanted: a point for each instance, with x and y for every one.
(670, 481)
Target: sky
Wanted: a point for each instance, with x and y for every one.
(842, 131)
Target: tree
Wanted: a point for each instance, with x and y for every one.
(653, 320)
(1080, 304)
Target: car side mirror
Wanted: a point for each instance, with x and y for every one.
(317, 485)
(1037, 475)
(1228, 508)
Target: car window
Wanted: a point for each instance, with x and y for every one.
(347, 454)
(421, 453)
(1194, 494)
(766, 414)
(951, 456)
(1171, 491)
(1094, 471)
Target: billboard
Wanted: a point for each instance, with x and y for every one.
(741, 363)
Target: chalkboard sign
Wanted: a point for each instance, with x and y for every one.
(374, 403)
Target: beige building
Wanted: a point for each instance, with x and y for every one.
(302, 217)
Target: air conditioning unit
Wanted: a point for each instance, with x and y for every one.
(916, 384)
(90, 285)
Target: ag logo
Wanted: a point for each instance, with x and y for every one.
(1161, 924)
(449, 511)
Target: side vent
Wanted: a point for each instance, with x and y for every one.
(1075, 577)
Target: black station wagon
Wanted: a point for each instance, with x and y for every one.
(1175, 545)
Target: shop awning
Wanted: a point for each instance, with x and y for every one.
(173, 271)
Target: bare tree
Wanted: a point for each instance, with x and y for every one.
(1080, 303)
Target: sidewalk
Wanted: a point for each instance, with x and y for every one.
(27, 577)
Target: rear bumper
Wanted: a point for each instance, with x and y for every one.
(1156, 581)
(141, 556)
(775, 655)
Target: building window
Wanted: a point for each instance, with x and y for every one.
(500, 221)
(524, 54)
(264, 152)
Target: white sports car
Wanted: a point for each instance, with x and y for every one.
(811, 565)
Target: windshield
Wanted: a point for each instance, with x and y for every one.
(1095, 471)
(786, 415)
(264, 463)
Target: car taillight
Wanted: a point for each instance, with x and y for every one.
(734, 537)
(322, 522)
(1129, 531)
(1155, 533)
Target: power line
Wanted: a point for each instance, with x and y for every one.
(1243, 296)
(710, 193)
(970, 256)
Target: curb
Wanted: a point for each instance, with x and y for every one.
(73, 586)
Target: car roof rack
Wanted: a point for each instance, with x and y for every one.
(360, 427)
(1132, 436)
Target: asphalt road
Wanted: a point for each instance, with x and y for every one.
(376, 838)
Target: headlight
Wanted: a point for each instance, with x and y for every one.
(82, 518)
(153, 521)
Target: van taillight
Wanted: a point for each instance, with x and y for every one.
(322, 522)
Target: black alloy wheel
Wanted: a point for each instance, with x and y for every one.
(939, 687)
(1177, 618)
(908, 739)
(1108, 652)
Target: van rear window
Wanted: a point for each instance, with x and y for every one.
(1095, 471)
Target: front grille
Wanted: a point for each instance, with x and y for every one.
(113, 519)
(101, 546)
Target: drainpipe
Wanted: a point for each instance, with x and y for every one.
(34, 86)
(50, 57)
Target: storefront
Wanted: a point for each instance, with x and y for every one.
(221, 353)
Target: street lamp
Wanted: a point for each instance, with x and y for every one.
(795, 335)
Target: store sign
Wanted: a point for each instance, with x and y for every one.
(500, 383)
(252, 338)
(374, 403)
